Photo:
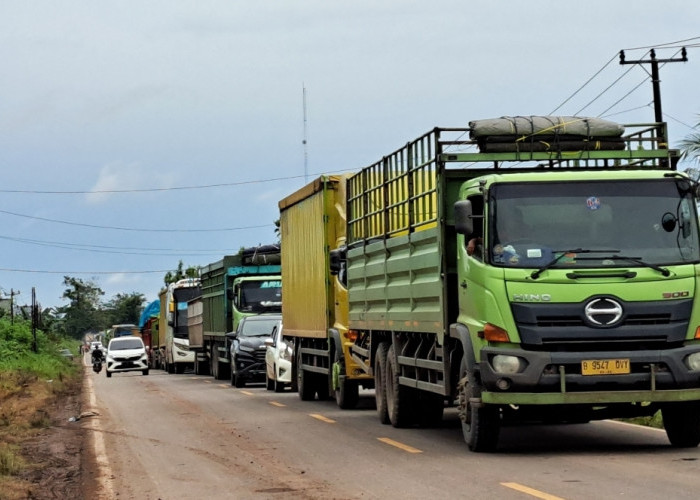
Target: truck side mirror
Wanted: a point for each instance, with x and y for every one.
(464, 223)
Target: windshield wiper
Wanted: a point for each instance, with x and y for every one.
(536, 274)
(639, 261)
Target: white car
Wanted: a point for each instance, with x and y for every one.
(126, 354)
(278, 361)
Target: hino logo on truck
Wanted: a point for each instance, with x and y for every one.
(603, 311)
(532, 297)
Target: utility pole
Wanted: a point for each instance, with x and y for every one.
(304, 142)
(12, 304)
(655, 81)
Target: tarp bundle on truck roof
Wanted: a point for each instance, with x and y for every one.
(546, 133)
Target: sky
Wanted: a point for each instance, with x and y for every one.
(134, 135)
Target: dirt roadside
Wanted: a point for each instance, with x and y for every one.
(58, 457)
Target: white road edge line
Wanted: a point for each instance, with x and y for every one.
(104, 472)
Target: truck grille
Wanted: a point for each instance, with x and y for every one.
(564, 327)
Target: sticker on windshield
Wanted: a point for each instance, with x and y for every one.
(593, 203)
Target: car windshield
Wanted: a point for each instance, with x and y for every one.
(630, 223)
(126, 344)
(258, 327)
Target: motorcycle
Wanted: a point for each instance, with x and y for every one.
(97, 366)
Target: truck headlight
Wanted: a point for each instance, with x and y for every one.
(693, 361)
(506, 364)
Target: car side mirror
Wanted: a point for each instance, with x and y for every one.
(269, 342)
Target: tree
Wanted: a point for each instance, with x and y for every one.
(172, 277)
(124, 308)
(690, 146)
(84, 310)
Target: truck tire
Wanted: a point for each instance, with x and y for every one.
(270, 384)
(480, 425)
(399, 398)
(379, 382)
(347, 394)
(200, 367)
(682, 424)
(214, 356)
(429, 409)
(179, 367)
(305, 382)
(277, 385)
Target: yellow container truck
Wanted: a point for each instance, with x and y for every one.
(315, 305)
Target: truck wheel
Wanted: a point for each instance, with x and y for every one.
(305, 383)
(200, 367)
(278, 386)
(398, 397)
(682, 424)
(480, 424)
(429, 409)
(347, 395)
(347, 392)
(322, 386)
(379, 382)
(215, 362)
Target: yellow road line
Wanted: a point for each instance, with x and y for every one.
(275, 403)
(322, 418)
(208, 382)
(224, 385)
(404, 447)
(247, 393)
(530, 491)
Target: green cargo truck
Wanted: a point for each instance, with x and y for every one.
(236, 286)
(315, 307)
(589, 312)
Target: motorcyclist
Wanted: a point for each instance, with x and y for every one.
(97, 355)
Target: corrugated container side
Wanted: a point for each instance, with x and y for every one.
(194, 322)
(308, 225)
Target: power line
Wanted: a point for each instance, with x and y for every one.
(81, 272)
(116, 250)
(147, 230)
(176, 188)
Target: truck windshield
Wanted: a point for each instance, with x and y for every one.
(614, 224)
(261, 296)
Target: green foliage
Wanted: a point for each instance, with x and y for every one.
(84, 311)
(655, 421)
(690, 146)
(124, 308)
(180, 273)
(17, 354)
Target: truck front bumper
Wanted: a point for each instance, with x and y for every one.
(557, 378)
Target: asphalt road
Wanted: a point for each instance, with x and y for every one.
(191, 437)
